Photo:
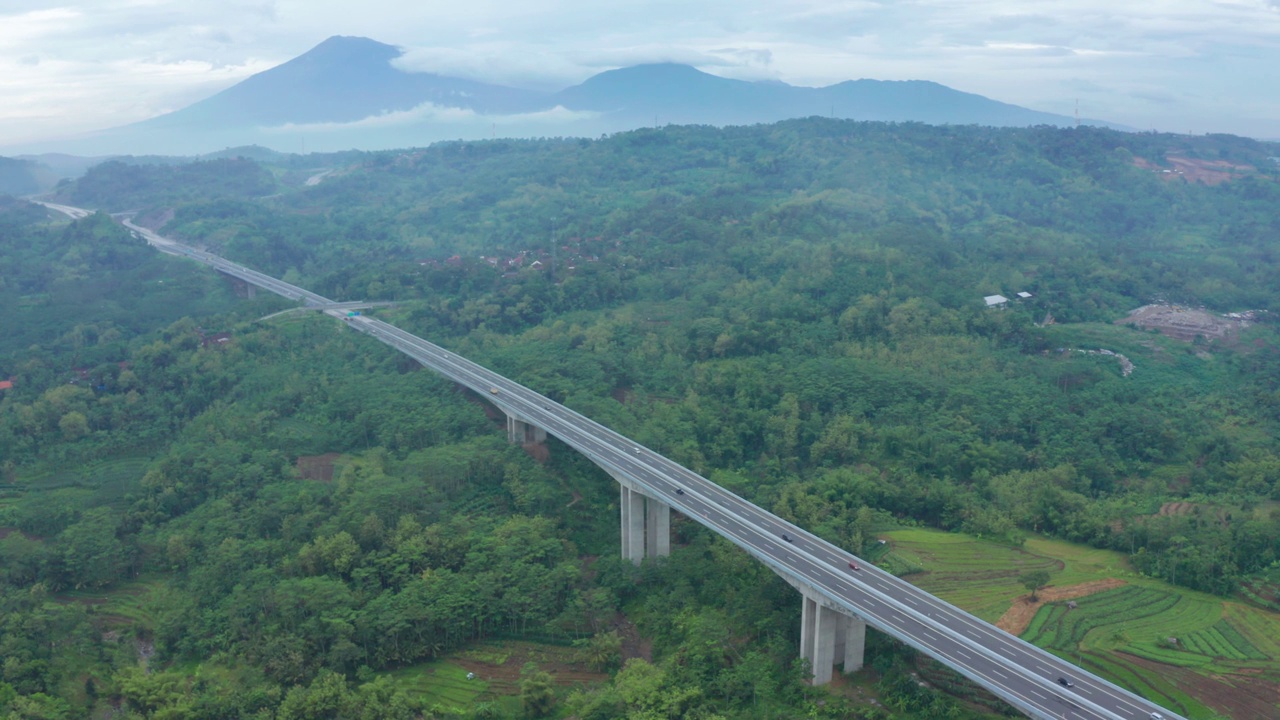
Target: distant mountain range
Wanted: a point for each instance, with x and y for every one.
(23, 177)
(347, 93)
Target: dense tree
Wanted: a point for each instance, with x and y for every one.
(793, 310)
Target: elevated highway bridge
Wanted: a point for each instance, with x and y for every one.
(838, 600)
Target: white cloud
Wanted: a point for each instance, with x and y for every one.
(499, 62)
(89, 96)
(644, 54)
(438, 114)
(29, 28)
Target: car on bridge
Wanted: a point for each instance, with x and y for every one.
(1065, 682)
(854, 566)
(493, 391)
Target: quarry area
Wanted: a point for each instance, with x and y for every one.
(1209, 172)
(1186, 323)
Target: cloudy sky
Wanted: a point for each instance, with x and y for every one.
(1177, 65)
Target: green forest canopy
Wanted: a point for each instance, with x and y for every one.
(794, 310)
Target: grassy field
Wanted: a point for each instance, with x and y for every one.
(110, 480)
(981, 577)
(1226, 658)
(496, 665)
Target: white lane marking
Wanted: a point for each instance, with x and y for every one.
(913, 602)
(1042, 669)
(963, 654)
(997, 672)
(1033, 692)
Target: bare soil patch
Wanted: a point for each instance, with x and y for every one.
(1016, 619)
(1207, 512)
(7, 531)
(1209, 172)
(1267, 594)
(317, 468)
(537, 451)
(1184, 323)
(1241, 696)
(633, 645)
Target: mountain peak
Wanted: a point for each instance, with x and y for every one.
(342, 79)
(670, 69)
(331, 90)
(346, 48)
(656, 87)
(654, 73)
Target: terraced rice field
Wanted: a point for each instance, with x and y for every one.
(1263, 591)
(1226, 659)
(126, 603)
(441, 683)
(1110, 631)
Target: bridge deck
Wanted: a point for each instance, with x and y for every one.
(1022, 674)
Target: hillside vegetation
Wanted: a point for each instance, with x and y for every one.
(794, 310)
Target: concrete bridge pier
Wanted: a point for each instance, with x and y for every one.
(646, 523)
(522, 432)
(631, 504)
(657, 528)
(827, 637)
(240, 287)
